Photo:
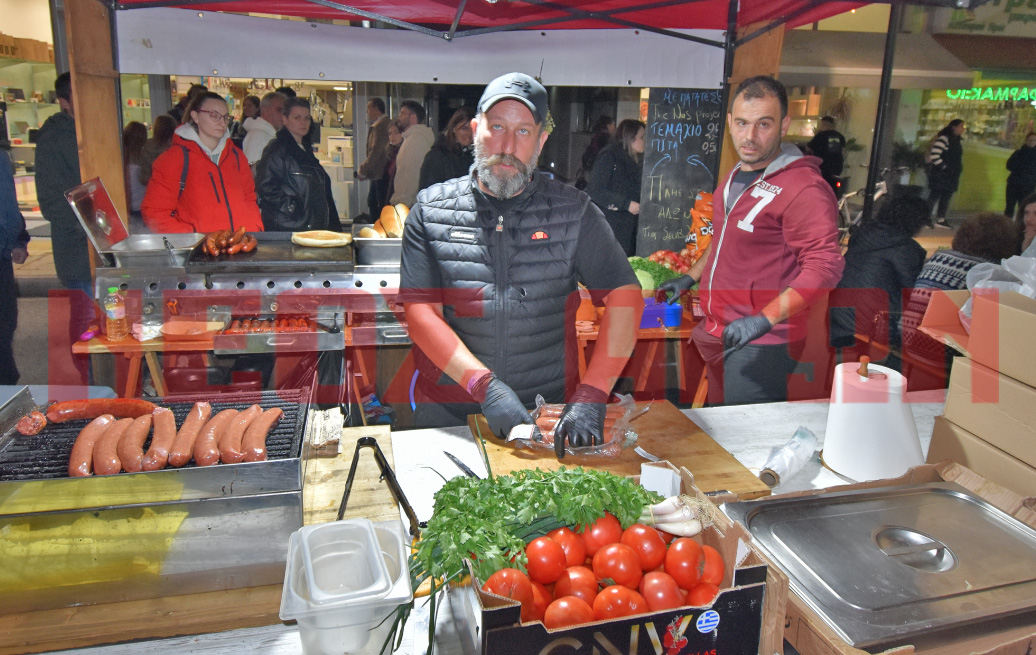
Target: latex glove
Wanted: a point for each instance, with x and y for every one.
(500, 405)
(582, 420)
(743, 331)
(673, 289)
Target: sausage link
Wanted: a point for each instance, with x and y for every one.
(165, 433)
(183, 445)
(235, 248)
(254, 442)
(80, 462)
(210, 244)
(206, 448)
(250, 243)
(68, 410)
(131, 446)
(32, 423)
(230, 443)
(106, 450)
(237, 236)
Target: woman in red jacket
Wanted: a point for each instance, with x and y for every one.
(202, 183)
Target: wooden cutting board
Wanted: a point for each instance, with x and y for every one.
(662, 431)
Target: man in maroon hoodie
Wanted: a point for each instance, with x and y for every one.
(774, 252)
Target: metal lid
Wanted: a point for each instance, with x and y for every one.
(96, 212)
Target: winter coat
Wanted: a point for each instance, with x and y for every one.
(781, 232)
(945, 163)
(258, 134)
(373, 168)
(213, 196)
(57, 171)
(12, 225)
(148, 154)
(1022, 165)
(614, 183)
(294, 190)
(417, 141)
(880, 264)
(442, 163)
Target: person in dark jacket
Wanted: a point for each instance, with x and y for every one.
(161, 138)
(881, 263)
(615, 183)
(829, 144)
(249, 109)
(944, 168)
(600, 136)
(451, 156)
(13, 250)
(1022, 180)
(294, 190)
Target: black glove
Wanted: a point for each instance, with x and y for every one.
(673, 289)
(500, 405)
(582, 420)
(743, 331)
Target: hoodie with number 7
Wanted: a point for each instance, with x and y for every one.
(781, 232)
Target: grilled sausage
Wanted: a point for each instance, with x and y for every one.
(131, 446)
(230, 443)
(234, 248)
(165, 433)
(32, 423)
(237, 236)
(80, 462)
(250, 243)
(206, 448)
(254, 442)
(183, 446)
(106, 450)
(121, 407)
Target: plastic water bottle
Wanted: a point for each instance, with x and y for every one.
(116, 325)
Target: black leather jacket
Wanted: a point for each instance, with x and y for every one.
(294, 191)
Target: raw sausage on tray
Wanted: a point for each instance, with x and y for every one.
(69, 410)
(254, 442)
(165, 432)
(80, 462)
(106, 450)
(183, 446)
(206, 448)
(131, 446)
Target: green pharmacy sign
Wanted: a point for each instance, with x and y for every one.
(994, 93)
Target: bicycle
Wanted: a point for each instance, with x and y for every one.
(846, 220)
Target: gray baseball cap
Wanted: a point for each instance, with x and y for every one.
(520, 87)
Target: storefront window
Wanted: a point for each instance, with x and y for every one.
(997, 114)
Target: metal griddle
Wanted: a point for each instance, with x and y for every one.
(918, 564)
(275, 254)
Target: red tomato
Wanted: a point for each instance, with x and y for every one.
(683, 562)
(616, 601)
(661, 591)
(577, 581)
(510, 583)
(702, 594)
(605, 530)
(711, 565)
(667, 537)
(534, 610)
(618, 563)
(566, 611)
(572, 544)
(647, 543)
(546, 560)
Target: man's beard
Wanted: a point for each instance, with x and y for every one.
(503, 185)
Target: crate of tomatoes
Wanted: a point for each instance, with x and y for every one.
(656, 576)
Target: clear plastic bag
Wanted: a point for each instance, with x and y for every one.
(784, 462)
(617, 433)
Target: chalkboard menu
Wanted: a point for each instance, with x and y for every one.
(681, 154)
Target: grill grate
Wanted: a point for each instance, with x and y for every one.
(45, 455)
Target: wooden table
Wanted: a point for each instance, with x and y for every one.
(138, 352)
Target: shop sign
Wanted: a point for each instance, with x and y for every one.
(996, 17)
(993, 93)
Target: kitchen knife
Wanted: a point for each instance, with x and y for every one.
(461, 465)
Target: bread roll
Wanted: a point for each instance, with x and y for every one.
(367, 232)
(392, 220)
(380, 228)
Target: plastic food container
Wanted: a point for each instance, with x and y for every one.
(341, 582)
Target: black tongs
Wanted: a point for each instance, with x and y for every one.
(387, 475)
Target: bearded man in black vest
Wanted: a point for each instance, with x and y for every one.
(490, 268)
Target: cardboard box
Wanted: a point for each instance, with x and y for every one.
(1002, 325)
(994, 407)
(810, 635)
(746, 617)
(952, 442)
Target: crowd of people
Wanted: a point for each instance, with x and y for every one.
(201, 171)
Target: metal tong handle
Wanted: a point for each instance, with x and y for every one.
(387, 475)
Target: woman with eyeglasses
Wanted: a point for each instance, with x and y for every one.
(202, 183)
(294, 191)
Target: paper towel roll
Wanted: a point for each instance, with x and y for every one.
(871, 432)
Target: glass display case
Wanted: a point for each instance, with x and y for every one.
(27, 89)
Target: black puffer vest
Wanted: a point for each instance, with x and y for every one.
(509, 278)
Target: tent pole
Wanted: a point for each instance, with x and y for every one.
(730, 45)
(895, 23)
